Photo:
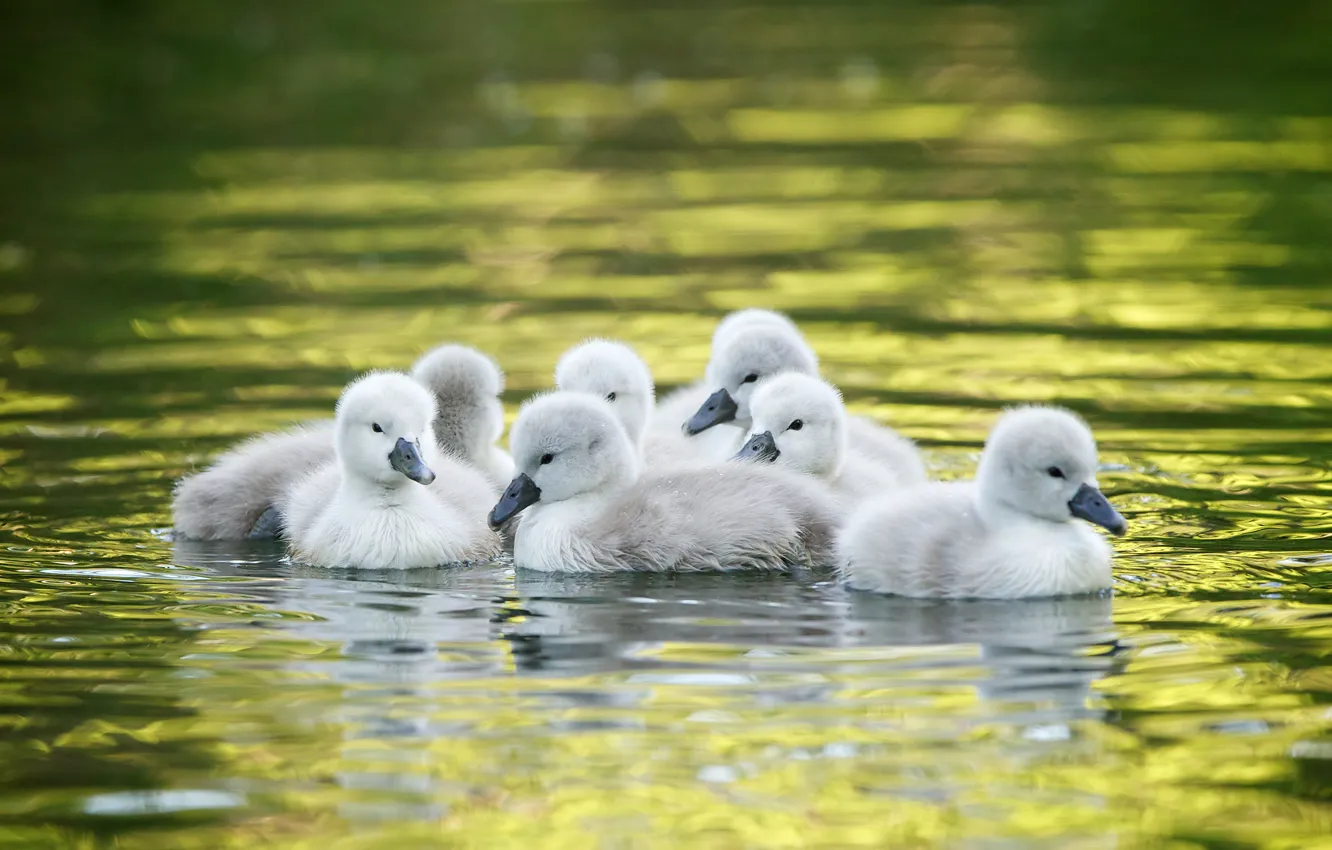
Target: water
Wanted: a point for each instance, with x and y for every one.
(214, 217)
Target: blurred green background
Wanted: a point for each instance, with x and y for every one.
(213, 215)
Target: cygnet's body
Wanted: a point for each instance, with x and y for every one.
(613, 371)
(469, 416)
(226, 500)
(1014, 532)
(234, 497)
(799, 423)
(586, 508)
(681, 404)
(391, 500)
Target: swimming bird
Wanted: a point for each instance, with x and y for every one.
(469, 416)
(587, 508)
(1013, 533)
(613, 371)
(745, 356)
(391, 499)
(232, 499)
(679, 405)
(798, 422)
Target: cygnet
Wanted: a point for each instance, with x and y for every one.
(679, 405)
(745, 356)
(469, 415)
(586, 508)
(391, 499)
(613, 371)
(799, 423)
(1014, 532)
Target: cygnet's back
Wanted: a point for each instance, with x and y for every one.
(1014, 532)
(587, 509)
(613, 371)
(799, 424)
(469, 415)
(391, 499)
(870, 441)
(224, 501)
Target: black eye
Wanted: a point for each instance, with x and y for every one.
(547, 458)
(375, 425)
(1055, 472)
(750, 378)
(610, 397)
(795, 425)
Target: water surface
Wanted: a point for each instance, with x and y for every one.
(214, 218)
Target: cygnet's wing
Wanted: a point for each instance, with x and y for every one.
(224, 501)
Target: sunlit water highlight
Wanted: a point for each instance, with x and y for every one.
(956, 225)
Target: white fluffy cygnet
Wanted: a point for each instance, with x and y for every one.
(586, 508)
(798, 422)
(681, 404)
(391, 499)
(469, 416)
(234, 497)
(745, 356)
(227, 500)
(1015, 532)
(613, 371)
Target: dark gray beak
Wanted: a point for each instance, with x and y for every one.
(406, 458)
(522, 493)
(719, 408)
(761, 448)
(1089, 504)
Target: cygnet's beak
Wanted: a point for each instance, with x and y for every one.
(521, 493)
(1090, 504)
(719, 408)
(761, 448)
(407, 459)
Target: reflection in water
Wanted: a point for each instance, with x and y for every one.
(212, 220)
(421, 658)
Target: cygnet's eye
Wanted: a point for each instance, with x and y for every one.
(1055, 472)
(610, 396)
(796, 425)
(750, 378)
(375, 425)
(547, 458)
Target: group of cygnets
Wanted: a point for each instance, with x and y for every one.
(756, 466)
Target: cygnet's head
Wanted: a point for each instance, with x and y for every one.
(381, 419)
(1041, 461)
(466, 385)
(564, 445)
(613, 371)
(746, 356)
(748, 318)
(798, 422)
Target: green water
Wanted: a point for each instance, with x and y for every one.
(213, 216)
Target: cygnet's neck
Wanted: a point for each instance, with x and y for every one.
(369, 493)
(459, 430)
(998, 512)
